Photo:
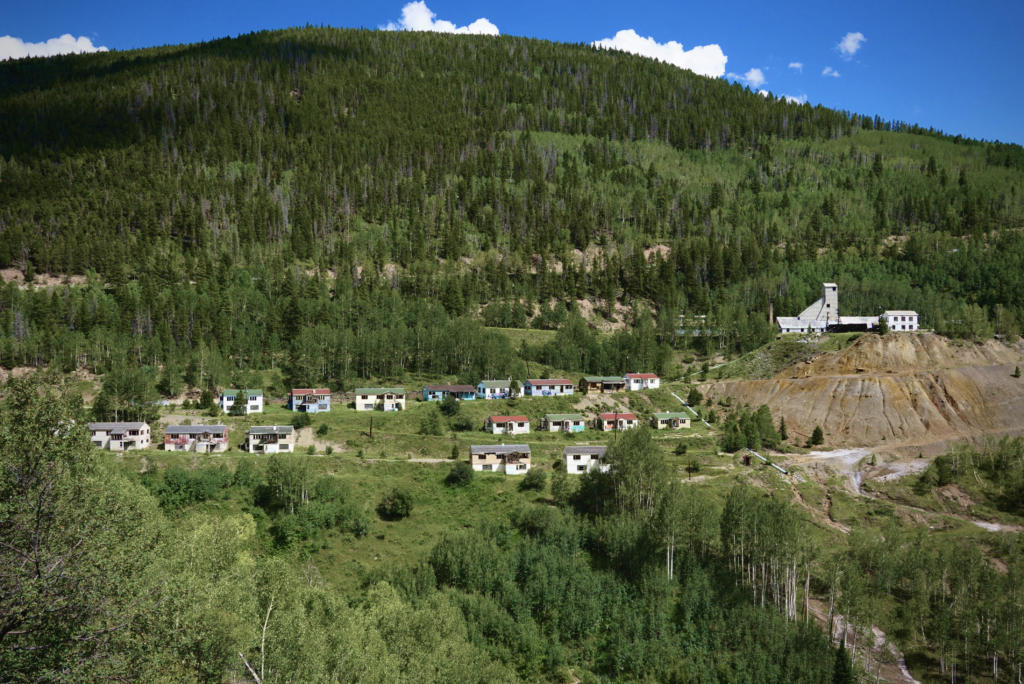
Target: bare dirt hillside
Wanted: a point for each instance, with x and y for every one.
(900, 391)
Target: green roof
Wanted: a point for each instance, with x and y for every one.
(234, 392)
(494, 384)
(670, 416)
(380, 390)
(605, 378)
(564, 416)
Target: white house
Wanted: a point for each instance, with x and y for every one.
(494, 389)
(120, 436)
(270, 439)
(253, 399)
(563, 422)
(547, 388)
(901, 320)
(642, 381)
(380, 398)
(507, 425)
(511, 459)
(204, 439)
(581, 459)
(608, 422)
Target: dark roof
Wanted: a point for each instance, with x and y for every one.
(556, 381)
(590, 450)
(499, 449)
(270, 430)
(193, 429)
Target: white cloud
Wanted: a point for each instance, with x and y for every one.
(16, 48)
(416, 16)
(753, 78)
(707, 60)
(794, 99)
(850, 43)
(798, 66)
(829, 71)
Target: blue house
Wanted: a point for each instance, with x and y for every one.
(439, 392)
(547, 388)
(310, 400)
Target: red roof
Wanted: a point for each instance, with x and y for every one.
(618, 416)
(558, 381)
(322, 390)
(509, 419)
(644, 376)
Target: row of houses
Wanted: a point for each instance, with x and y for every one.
(318, 400)
(514, 459)
(576, 422)
(204, 439)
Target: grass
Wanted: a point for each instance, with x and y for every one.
(768, 360)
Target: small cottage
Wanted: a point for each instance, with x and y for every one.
(119, 436)
(563, 422)
(439, 392)
(253, 399)
(270, 439)
(507, 425)
(670, 421)
(642, 381)
(581, 459)
(608, 422)
(511, 459)
(601, 384)
(380, 399)
(310, 400)
(547, 388)
(494, 389)
(203, 439)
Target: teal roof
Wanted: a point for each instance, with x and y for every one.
(234, 392)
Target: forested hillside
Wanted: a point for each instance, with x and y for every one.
(293, 198)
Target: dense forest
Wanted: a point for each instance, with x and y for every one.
(293, 198)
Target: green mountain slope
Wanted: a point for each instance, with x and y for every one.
(243, 191)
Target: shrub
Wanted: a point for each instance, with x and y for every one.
(430, 423)
(680, 449)
(321, 430)
(395, 505)
(462, 423)
(360, 526)
(301, 420)
(534, 479)
(449, 405)
(817, 437)
(460, 475)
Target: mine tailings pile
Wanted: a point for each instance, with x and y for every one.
(899, 392)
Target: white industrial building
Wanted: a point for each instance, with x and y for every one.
(824, 315)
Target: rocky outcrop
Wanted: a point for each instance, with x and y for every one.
(896, 390)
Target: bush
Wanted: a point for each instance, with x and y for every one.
(430, 423)
(694, 398)
(301, 420)
(680, 449)
(449, 405)
(460, 475)
(462, 423)
(360, 526)
(817, 437)
(534, 479)
(321, 430)
(395, 505)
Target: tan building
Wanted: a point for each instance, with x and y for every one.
(120, 436)
(670, 421)
(380, 399)
(511, 459)
(270, 439)
(601, 384)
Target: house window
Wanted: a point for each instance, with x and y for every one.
(487, 466)
(575, 457)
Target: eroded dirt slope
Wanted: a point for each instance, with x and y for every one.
(900, 390)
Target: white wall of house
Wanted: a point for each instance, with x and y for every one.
(253, 402)
(510, 428)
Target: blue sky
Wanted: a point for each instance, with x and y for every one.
(947, 64)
